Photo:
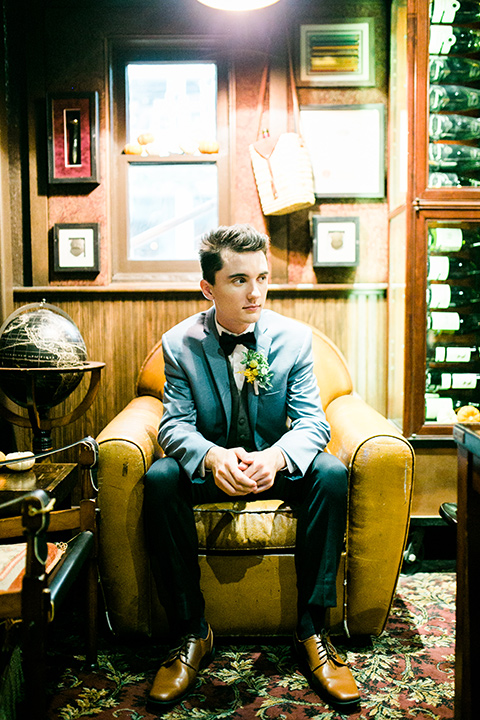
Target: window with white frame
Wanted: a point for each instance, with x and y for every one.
(170, 157)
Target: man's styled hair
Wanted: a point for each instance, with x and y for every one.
(238, 238)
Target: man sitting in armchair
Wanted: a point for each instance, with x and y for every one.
(243, 417)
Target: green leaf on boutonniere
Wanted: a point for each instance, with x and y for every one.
(257, 370)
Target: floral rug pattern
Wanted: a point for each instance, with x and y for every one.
(406, 674)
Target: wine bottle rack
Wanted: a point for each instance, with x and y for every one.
(452, 378)
(454, 95)
(434, 216)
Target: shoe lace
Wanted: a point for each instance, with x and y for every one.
(181, 651)
(325, 649)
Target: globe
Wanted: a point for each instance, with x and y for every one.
(39, 337)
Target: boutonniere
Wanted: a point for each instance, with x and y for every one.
(257, 370)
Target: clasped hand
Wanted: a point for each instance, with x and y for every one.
(238, 472)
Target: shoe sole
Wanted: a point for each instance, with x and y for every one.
(166, 704)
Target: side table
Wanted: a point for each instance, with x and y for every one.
(467, 660)
(42, 592)
(57, 479)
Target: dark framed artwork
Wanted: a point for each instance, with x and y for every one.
(335, 241)
(76, 248)
(72, 126)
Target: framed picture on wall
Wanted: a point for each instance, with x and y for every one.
(337, 54)
(347, 149)
(72, 127)
(335, 241)
(76, 248)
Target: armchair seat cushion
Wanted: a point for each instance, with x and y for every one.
(242, 526)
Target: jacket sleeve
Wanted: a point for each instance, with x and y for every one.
(178, 435)
(308, 432)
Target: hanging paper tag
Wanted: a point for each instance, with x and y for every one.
(448, 239)
(441, 39)
(444, 11)
(440, 296)
(453, 354)
(444, 321)
(464, 381)
(436, 407)
(439, 267)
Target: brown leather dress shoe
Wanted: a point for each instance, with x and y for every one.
(326, 672)
(178, 673)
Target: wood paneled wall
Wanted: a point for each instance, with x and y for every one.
(120, 328)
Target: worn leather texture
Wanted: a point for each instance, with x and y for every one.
(247, 564)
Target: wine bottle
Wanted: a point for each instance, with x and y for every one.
(453, 70)
(453, 98)
(452, 239)
(453, 322)
(448, 296)
(453, 127)
(442, 267)
(436, 381)
(448, 39)
(443, 179)
(439, 409)
(452, 353)
(452, 40)
(459, 11)
(444, 156)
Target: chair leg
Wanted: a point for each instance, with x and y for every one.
(92, 612)
(35, 618)
(88, 515)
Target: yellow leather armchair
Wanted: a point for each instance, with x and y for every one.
(248, 573)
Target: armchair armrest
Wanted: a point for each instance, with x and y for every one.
(127, 447)
(381, 469)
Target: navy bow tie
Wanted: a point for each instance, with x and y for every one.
(229, 342)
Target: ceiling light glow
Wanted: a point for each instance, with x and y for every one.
(238, 5)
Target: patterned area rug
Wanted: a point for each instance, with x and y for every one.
(407, 673)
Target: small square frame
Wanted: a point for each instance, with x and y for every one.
(72, 127)
(337, 54)
(335, 241)
(76, 248)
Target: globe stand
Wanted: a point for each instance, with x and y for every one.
(38, 417)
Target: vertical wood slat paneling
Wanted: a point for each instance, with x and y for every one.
(120, 332)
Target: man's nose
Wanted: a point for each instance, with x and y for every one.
(254, 290)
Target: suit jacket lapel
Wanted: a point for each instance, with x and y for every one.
(218, 365)
(263, 346)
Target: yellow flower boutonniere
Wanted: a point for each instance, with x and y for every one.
(257, 369)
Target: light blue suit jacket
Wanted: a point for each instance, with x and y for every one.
(197, 400)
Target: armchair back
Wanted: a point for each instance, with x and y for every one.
(329, 365)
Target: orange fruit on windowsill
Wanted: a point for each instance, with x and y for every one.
(468, 413)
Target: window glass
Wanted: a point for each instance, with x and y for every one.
(175, 102)
(170, 207)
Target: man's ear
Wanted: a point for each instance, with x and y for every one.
(206, 289)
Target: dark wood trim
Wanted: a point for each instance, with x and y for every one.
(6, 278)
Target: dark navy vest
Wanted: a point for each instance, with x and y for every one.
(240, 434)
